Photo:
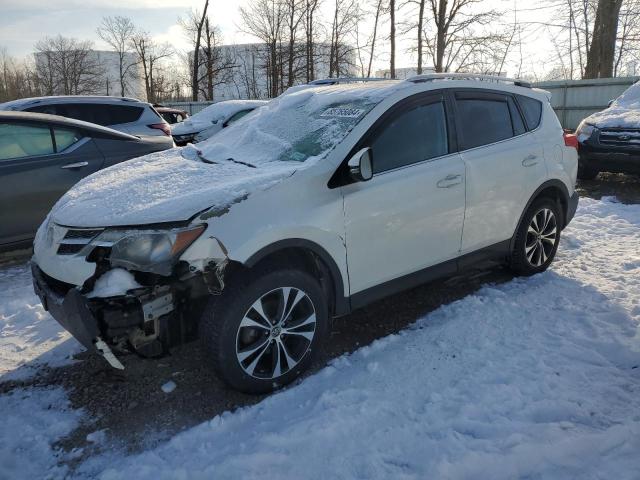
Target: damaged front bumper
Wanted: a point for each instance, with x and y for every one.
(72, 312)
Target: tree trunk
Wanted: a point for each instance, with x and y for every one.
(196, 55)
(441, 35)
(420, 20)
(392, 37)
(373, 40)
(601, 54)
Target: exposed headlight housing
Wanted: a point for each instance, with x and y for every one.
(584, 131)
(154, 251)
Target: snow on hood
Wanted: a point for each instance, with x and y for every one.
(290, 133)
(168, 186)
(623, 113)
(218, 112)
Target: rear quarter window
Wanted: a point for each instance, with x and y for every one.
(532, 110)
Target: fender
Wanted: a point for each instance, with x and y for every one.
(342, 304)
(549, 183)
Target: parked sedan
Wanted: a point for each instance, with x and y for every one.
(42, 156)
(609, 141)
(212, 119)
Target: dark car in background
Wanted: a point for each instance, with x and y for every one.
(609, 141)
(42, 156)
(171, 115)
(127, 115)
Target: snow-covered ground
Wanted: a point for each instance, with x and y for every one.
(534, 378)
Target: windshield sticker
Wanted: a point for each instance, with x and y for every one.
(342, 112)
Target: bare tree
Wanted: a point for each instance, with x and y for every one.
(117, 32)
(68, 66)
(149, 55)
(601, 54)
(628, 45)
(310, 20)
(456, 39)
(346, 15)
(378, 10)
(16, 78)
(392, 38)
(265, 19)
(198, 24)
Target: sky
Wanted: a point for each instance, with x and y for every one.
(24, 22)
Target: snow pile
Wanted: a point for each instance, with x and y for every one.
(29, 337)
(114, 282)
(32, 419)
(623, 113)
(218, 112)
(535, 378)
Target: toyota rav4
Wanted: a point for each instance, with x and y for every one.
(322, 201)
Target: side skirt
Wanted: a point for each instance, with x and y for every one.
(497, 253)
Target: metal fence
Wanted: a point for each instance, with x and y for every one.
(572, 100)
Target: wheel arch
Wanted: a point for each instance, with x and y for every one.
(554, 189)
(312, 258)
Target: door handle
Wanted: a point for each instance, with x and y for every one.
(530, 160)
(76, 165)
(449, 181)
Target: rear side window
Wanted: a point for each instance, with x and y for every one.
(20, 140)
(413, 136)
(99, 113)
(532, 110)
(65, 138)
(237, 116)
(484, 120)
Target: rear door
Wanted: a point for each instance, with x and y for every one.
(409, 215)
(38, 164)
(504, 165)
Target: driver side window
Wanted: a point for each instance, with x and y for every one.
(413, 136)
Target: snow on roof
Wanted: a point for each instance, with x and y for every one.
(218, 112)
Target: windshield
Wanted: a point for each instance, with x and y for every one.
(295, 127)
(630, 98)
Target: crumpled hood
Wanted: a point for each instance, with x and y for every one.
(168, 186)
(616, 117)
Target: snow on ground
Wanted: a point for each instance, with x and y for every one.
(534, 378)
(28, 335)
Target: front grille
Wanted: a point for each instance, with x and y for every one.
(76, 239)
(622, 137)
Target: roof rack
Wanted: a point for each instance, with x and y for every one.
(467, 76)
(335, 81)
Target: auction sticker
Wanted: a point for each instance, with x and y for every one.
(342, 112)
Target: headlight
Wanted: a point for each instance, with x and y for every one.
(584, 131)
(153, 251)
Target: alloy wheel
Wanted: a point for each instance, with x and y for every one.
(276, 333)
(541, 237)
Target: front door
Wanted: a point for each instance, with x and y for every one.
(409, 215)
(35, 172)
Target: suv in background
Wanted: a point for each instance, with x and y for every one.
(609, 141)
(321, 202)
(126, 115)
(170, 114)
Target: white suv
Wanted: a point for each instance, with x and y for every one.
(320, 202)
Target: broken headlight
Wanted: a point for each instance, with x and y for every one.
(153, 251)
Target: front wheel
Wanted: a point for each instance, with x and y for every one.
(537, 238)
(264, 332)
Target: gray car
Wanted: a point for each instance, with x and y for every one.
(42, 156)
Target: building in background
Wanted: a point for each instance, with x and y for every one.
(88, 72)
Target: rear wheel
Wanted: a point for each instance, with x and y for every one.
(537, 238)
(264, 332)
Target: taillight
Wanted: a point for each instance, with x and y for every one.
(570, 140)
(161, 126)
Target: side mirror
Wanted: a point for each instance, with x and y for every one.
(361, 165)
(610, 102)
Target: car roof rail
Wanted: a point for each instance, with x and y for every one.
(335, 81)
(428, 77)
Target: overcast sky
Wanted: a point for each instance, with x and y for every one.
(24, 22)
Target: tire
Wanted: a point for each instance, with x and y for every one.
(537, 238)
(244, 350)
(587, 173)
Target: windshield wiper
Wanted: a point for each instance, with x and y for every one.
(241, 162)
